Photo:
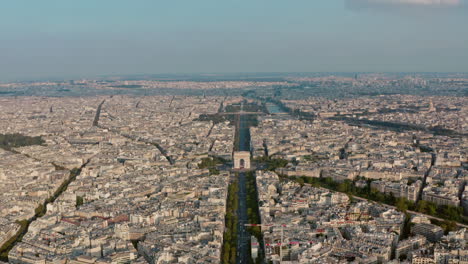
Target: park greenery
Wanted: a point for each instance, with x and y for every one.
(79, 201)
(222, 117)
(301, 115)
(215, 118)
(396, 126)
(10, 141)
(229, 251)
(272, 163)
(214, 171)
(212, 163)
(450, 214)
(446, 225)
(314, 158)
(247, 107)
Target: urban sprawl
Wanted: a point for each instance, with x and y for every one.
(128, 174)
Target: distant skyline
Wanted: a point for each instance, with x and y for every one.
(86, 38)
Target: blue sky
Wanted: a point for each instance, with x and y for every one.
(85, 38)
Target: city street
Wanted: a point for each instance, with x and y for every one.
(243, 237)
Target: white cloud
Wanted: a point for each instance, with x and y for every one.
(429, 3)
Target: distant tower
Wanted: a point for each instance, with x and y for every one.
(432, 107)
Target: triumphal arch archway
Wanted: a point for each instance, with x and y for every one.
(241, 160)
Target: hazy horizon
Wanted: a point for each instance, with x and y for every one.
(71, 39)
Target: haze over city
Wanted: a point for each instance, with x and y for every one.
(234, 132)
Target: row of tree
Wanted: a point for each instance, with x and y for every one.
(229, 251)
(396, 126)
(38, 212)
(272, 163)
(253, 214)
(449, 213)
(8, 245)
